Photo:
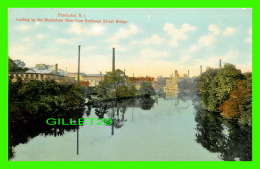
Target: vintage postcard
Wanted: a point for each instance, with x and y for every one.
(130, 84)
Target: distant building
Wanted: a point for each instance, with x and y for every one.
(172, 82)
(84, 83)
(19, 63)
(185, 75)
(47, 69)
(161, 83)
(138, 80)
(92, 79)
(40, 76)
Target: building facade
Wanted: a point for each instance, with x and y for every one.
(92, 79)
(138, 80)
(172, 82)
(39, 76)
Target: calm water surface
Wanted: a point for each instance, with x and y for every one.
(157, 129)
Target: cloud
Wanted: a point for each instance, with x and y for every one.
(78, 29)
(154, 39)
(151, 53)
(40, 36)
(26, 39)
(249, 38)
(26, 27)
(124, 33)
(51, 27)
(213, 60)
(64, 41)
(229, 31)
(90, 48)
(118, 47)
(249, 31)
(17, 51)
(206, 40)
(214, 29)
(178, 34)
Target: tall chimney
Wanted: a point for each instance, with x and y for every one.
(220, 63)
(188, 73)
(56, 69)
(200, 69)
(78, 63)
(113, 60)
(124, 72)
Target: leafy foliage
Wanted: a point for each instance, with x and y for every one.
(227, 90)
(239, 105)
(146, 89)
(12, 67)
(115, 84)
(34, 98)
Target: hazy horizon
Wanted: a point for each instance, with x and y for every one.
(154, 42)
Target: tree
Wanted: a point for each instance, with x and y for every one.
(204, 87)
(146, 89)
(239, 104)
(12, 67)
(115, 84)
(114, 79)
(132, 90)
(215, 85)
(122, 91)
(223, 83)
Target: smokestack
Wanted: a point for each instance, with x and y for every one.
(78, 63)
(113, 60)
(220, 63)
(188, 73)
(124, 72)
(200, 69)
(56, 69)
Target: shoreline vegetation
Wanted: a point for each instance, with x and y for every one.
(228, 92)
(32, 99)
(225, 91)
(220, 96)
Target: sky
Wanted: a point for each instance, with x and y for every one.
(154, 42)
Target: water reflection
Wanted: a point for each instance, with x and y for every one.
(116, 110)
(232, 141)
(22, 133)
(170, 120)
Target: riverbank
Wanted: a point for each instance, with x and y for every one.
(36, 99)
(100, 100)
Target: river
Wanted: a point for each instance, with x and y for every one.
(165, 128)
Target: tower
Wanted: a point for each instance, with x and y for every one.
(113, 60)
